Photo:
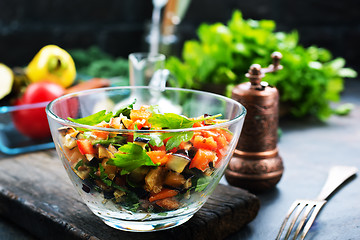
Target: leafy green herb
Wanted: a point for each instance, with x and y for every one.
(79, 164)
(176, 138)
(93, 62)
(131, 202)
(175, 121)
(133, 156)
(92, 172)
(105, 178)
(93, 119)
(125, 111)
(202, 183)
(309, 81)
(103, 115)
(155, 138)
(116, 141)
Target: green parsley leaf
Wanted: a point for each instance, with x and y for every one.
(131, 202)
(133, 156)
(94, 118)
(104, 176)
(80, 163)
(177, 138)
(116, 141)
(170, 121)
(107, 181)
(125, 111)
(155, 138)
(202, 183)
(175, 121)
(100, 116)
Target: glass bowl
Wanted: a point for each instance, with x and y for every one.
(150, 168)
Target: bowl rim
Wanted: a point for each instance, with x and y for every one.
(66, 122)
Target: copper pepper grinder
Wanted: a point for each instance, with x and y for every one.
(256, 164)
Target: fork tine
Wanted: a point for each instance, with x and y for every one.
(312, 218)
(303, 219)
(290, 211)
(300, 208)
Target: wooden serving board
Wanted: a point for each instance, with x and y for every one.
(35, 193)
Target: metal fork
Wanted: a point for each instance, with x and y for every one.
(309, 209)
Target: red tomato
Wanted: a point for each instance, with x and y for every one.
(85, 146)
(202, 159)
(33, 122)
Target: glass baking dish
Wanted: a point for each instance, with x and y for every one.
(11, 140)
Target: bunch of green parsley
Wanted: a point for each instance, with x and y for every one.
(310, 80)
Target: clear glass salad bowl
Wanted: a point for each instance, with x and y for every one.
(145, 159)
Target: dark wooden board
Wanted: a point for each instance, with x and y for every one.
(36, 193)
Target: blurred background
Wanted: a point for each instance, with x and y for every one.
(119, 27)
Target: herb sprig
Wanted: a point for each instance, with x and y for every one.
(131, 157)
(175, 121)
(310, 79)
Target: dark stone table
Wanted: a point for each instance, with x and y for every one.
(308, 150)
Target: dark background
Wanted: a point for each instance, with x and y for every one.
(119, 26)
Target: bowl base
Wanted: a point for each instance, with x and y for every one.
(145, 226)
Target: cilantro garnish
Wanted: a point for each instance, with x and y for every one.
(133, 156)
(202, 183)
(176, 138)
(103, 115)
(107, 181)
(125, 111)
(79, 164)
(175, 121)
(94, 118)
(116, 141)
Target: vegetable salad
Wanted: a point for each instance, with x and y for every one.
(145, 171)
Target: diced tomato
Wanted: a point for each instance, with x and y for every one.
(198, 124)
(210, 133)
(204, 143)
(115, 122)
(156, 148)
(221, 141)
(158, 157)
(165, 142)
(101, 134)
(183, 145)
(139, 115)
(202, 159)
(164, 193)
(226, 134)
(221, 153)
(85, 146)
(103, 124)
(139, 124)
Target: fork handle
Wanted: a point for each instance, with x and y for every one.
(337, 176)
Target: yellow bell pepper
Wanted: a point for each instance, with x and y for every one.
(54, 64)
